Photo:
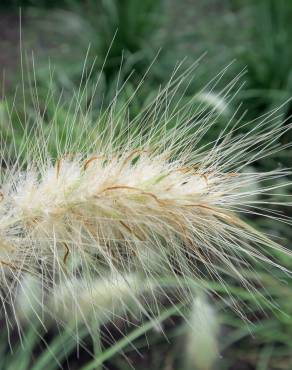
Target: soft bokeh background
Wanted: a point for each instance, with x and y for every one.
(254, 37)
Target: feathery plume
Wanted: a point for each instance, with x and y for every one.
(75, 301)
(146, 195)
(202, 340)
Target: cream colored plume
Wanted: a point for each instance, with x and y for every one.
(145, 195)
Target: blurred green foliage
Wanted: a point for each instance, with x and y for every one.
(268, 56)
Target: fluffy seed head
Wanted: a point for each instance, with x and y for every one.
(202, 341)
(147, 195)
(76, 301)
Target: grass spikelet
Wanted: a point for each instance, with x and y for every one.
(202, 340)
(128, 188)
(74, 301)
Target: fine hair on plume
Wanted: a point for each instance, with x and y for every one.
(135, 198)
